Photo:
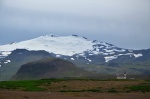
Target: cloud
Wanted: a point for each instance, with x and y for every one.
(125, 23)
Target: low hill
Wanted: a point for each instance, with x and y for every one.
(49, 68)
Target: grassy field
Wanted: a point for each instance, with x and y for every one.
(78, 85)
(75, 89)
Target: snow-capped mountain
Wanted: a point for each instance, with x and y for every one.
(90, 55)
(69, 46)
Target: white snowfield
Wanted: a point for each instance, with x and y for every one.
(67, 45)
(58, 45)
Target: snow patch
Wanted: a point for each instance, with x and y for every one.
(89, 60)
(101, 47)
(58, 55)
(5, 53)
(97, 49)
(81, 54)
(137, 55)
(108, 58)
(104, 53)
(122, 50)
(72, 58)
(7, 61)
(108, 50)
(91, 54)
(95, 52)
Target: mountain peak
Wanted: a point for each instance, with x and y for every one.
(49, 35)
(65, 45)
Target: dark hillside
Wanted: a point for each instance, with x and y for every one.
(47, 68)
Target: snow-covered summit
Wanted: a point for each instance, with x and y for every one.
(66, 45)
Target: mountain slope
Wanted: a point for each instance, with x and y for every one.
(47, 68)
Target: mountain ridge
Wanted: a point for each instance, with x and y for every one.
(69, 46)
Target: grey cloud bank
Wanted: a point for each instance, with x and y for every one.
(124, 23)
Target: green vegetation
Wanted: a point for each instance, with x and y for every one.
(22, 85)
(142, 88)
(27, 85)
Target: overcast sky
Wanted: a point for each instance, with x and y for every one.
(124, 23)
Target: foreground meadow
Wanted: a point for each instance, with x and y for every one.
(75, 89)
